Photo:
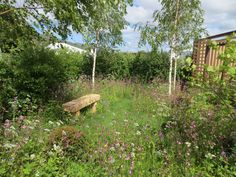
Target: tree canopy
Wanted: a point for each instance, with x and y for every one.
(184, 22)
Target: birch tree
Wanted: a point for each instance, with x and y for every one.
(104, 27)
(175, 24)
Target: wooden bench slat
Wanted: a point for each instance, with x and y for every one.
(80, 103)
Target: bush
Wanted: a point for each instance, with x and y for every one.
(6, 85)
(71, 141)
(199, 130)
(121, 64)
(148, 66)
(202, 126)
(39, 73)
(54, 111)
(73, 63)
(144, 66)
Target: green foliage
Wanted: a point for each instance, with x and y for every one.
(73, 63)
(141, 66)
(202, 125)
(71, 141)
(148, 66)
(53, 111)
(39, 73)
(6, 85)
(103, 29)
(177, 23)
(111, 63)
(15, 30)
(197, 128)
(35, 75)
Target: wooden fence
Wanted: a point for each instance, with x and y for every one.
(203, 54)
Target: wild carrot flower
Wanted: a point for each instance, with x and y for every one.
(138, 133)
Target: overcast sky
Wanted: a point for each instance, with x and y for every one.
(220, 16)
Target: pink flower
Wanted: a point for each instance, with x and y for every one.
(223, 154)
(193, 125)
(111, 159)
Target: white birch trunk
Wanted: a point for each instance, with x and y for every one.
(94, 68)
(175, 43)
(175, 72)
(170, 71)
(94, 60)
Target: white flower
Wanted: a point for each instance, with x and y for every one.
(63, 133)
(132, 154)
(57, 148)
(112, 149)
(8, 145)
(210, 156)
(136, 124)
(125, 120)
(188, 144)
(58, 123)
(32, 156)
(50, 122)
(37, 173)
(46, 130)
(138, 133)
(117, 145)
(118, 133)
(31, 127)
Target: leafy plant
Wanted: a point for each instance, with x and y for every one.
(39, 73)
(72, 141)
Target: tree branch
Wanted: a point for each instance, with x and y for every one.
(12, 9)
(7, 11)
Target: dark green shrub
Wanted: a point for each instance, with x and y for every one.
(53, 111)
(71, 141)
(8, 91)
(103, 63)
(73, 63)
(144, 66)
(148, 66)
(121, 64)
(39, 73)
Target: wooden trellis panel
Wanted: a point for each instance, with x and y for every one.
(204, 55)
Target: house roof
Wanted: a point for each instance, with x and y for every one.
(61, 45)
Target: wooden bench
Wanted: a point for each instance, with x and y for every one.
(76, 105)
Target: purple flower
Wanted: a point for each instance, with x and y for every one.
(223, 154)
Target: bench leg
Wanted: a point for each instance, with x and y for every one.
(93, 110)
(77, 113)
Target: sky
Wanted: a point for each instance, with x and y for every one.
(220, 17)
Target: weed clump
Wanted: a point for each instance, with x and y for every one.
(71, 141)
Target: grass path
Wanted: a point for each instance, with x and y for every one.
(125, 113)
